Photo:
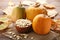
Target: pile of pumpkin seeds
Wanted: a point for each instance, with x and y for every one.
(15, 36)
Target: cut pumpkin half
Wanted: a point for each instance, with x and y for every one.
(3, 26)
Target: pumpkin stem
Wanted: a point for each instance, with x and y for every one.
(37, 4)
(20, 5)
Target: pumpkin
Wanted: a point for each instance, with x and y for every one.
(41, 24)
(17, 13)
(32, 11)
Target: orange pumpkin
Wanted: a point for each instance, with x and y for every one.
(32, 11)
(41, 24)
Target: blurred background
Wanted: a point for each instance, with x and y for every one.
(5, 3)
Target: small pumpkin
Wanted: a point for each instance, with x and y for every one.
(32, 11)
(41, 24)
(18, 12)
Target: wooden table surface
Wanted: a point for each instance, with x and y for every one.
(49, 36)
